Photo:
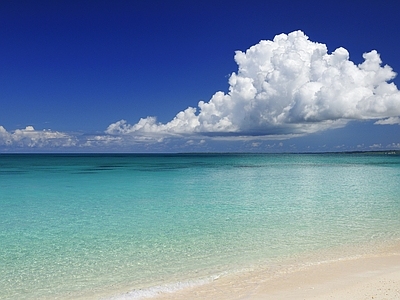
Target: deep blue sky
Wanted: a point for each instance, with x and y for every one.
(78, 66)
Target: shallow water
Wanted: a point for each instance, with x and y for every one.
(79, 225)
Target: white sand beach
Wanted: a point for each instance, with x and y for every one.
(366, 277)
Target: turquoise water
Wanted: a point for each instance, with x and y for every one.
(83, 225)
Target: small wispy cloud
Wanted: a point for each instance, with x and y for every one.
(389, 121)
(31, 138)
(393, 146)
(376, 146)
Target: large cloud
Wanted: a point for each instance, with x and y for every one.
(286, 87)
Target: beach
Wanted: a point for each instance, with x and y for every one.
(364, 277)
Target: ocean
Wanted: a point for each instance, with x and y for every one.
(131, 226)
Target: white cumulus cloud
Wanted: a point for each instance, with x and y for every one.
(285, 87)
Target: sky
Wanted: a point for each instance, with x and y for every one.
(199, 76)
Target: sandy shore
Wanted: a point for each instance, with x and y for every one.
(364, 277)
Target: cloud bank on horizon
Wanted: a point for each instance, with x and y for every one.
(286, 87)
(283, 88)
(29, 137)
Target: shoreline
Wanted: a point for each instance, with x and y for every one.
(364, 277)
(372, 273)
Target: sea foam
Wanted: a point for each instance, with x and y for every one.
(154, 291)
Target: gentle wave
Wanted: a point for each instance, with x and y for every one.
(155, 291)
